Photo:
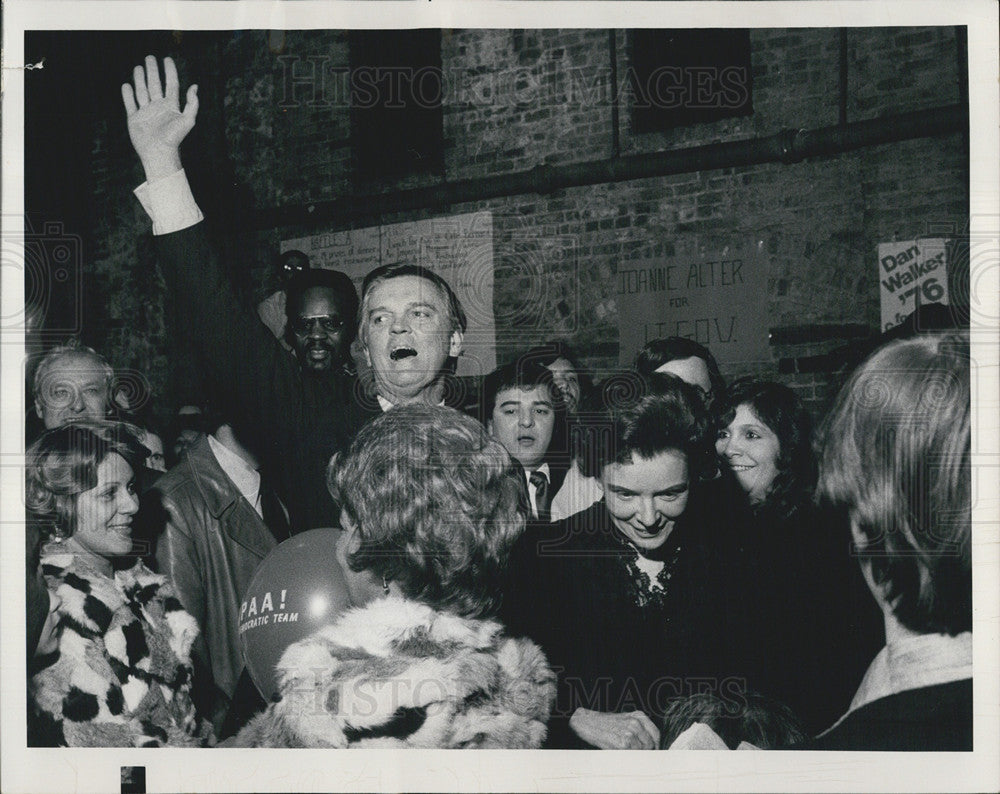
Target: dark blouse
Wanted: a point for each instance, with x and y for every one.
(619, 640)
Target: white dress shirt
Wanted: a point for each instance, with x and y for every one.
(244, 476)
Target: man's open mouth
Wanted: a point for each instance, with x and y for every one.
(402, 352)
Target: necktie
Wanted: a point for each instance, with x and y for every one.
(541, 486)
(273, 513)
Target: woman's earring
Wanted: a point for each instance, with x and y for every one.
(385, 585)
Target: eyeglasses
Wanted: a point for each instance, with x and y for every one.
(327, 322)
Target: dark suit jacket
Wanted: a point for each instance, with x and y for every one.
(810, 626)
(211, 545)
(293, 420)
(927, 719)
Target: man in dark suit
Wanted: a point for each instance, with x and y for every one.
(523, 409)
(410, 324)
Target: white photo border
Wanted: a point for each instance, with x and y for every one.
(66, 769)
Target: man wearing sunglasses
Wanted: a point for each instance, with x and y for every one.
(295, 417)
(321, 307)
(294, 412)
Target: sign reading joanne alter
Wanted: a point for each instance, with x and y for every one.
(911, 273)
(459, 248)
(718, 299)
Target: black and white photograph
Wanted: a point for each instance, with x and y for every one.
(539, 377)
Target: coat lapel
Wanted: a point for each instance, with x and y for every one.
(237, 518)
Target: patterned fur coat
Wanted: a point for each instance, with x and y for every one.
(122, 674)
(397, 673)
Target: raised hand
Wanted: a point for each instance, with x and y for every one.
(156, 123)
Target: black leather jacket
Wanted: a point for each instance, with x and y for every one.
(212, 544)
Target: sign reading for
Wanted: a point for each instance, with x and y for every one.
(910, 274)
(716, 299)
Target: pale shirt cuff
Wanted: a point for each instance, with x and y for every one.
(169, 203)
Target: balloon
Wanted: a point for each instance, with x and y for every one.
(298, 588)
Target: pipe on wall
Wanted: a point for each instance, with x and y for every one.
(788, 146)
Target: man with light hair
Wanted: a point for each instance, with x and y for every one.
(72, 381)
(410, 323)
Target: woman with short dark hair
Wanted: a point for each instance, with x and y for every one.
(121, 674)
(896, 464)
(625, 597)
(430, 509)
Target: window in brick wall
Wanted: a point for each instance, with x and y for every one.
(681, 77)
(396, 120)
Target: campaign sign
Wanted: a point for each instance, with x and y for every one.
(717, 298)
(911, 273)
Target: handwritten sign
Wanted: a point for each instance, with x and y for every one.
(459, 248)
(911, 273)
(716, 299)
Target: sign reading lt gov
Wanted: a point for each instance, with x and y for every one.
(716, 298)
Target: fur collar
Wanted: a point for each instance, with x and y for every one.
(399, 673)
(122, 673)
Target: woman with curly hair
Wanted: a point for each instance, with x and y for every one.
(765, 437)
(809, 626)
(120, 675)
(430, 510)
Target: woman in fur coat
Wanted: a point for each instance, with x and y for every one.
(120, 675)
(430, 511)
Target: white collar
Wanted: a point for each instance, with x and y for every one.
(385, 404)
(244, 476)
(914, 662)
(543, 470)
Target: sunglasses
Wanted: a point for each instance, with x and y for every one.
(327, 322)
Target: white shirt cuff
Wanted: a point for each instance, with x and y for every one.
(169, 203)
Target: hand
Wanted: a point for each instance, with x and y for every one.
(631, 731)
(156, 124)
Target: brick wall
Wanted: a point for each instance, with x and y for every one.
(518, 99)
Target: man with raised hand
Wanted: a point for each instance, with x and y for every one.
(410, 324)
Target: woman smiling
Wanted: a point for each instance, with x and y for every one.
(120, 674)
(623, 597)
(765, 439)
(808, 625)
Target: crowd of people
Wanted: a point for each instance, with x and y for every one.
(657, 560)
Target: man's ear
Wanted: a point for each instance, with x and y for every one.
(860, 543)
(118, 399)
(39, 411)
(455, 345)
(489, 426)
